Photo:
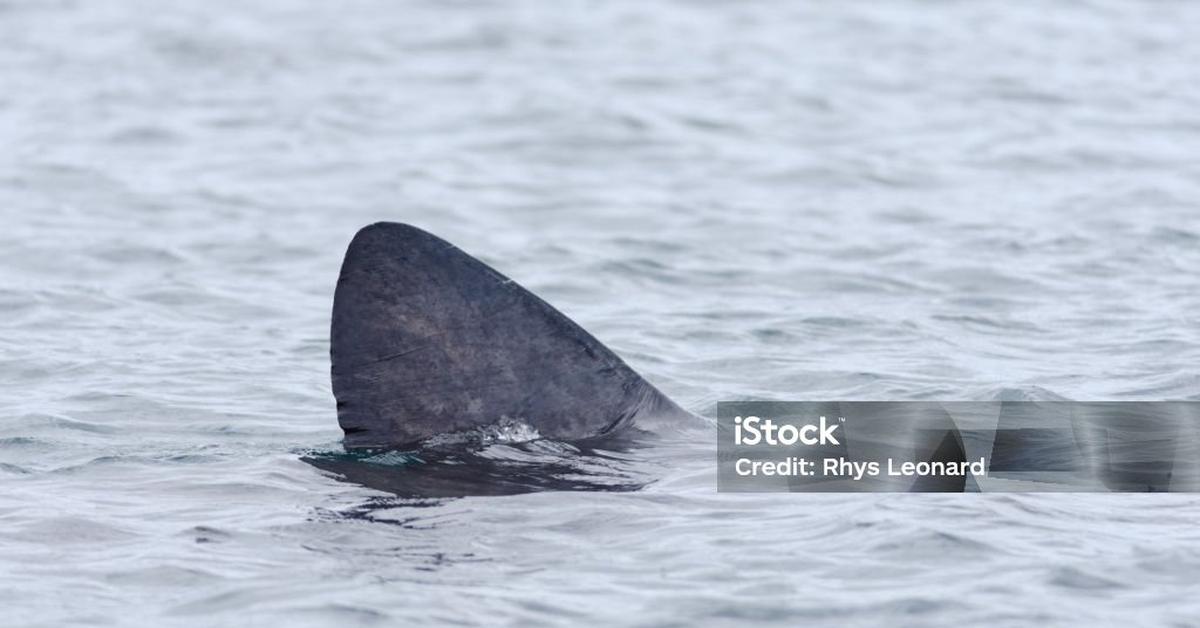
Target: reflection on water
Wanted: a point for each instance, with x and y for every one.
(465, 469)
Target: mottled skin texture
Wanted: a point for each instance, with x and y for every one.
(428, 340)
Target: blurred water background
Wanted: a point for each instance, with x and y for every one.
(767, 200)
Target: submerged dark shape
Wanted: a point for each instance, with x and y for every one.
(428, 340)
(447, 472)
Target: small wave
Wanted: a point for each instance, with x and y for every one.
(39, 420)
(14, 469)
(1077, 579)
(506, 430)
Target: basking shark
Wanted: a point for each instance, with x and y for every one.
(427, 340)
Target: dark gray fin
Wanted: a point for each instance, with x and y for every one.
(949, 450)
(428, 340)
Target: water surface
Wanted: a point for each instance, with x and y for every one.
(766, 200)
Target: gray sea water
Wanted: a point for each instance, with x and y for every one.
(758, 200)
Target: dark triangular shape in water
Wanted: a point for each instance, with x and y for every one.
(950, 451)
(428, 340)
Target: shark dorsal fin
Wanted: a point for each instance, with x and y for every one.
(428, 340)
